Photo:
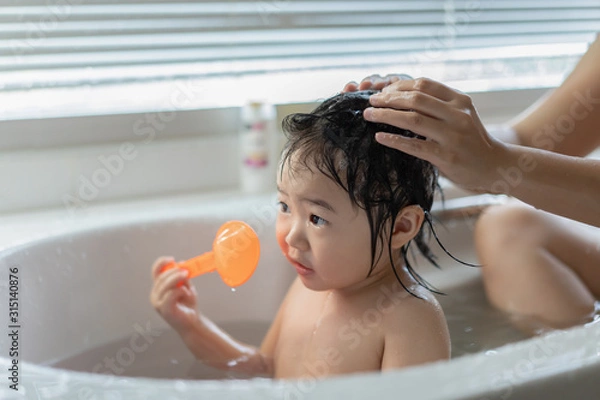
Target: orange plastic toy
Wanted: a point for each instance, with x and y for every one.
(235, 253)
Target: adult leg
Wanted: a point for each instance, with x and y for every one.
(537, 264)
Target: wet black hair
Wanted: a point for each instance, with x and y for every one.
(340, 143)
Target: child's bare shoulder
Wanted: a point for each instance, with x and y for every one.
(423, 301)
(415, 331)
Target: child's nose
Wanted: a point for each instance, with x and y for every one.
(296, 237)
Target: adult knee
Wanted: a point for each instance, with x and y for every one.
(501, 234)
(506, 225)
(506, 231)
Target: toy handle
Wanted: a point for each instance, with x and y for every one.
(199, 265)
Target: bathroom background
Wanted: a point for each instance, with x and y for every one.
(120, 126)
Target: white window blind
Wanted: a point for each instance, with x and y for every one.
(61, 43)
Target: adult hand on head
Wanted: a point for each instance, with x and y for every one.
(374, 82)
(456, 140)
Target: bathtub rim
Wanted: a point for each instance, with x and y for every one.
(453, 378)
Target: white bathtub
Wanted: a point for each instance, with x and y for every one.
(83, 296)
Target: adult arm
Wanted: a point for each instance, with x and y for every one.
(567, 120)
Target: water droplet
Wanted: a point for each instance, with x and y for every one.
(468, 329)
(232, 363)
(233, 289)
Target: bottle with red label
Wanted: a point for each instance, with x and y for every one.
(257, 137)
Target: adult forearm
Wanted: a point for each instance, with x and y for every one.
(213, 346)
(563, 185)
(505, 133)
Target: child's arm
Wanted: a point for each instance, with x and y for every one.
(175, 300)
(415, 334)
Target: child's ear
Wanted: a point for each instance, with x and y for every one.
(407, 225)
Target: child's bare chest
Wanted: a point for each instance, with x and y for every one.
(320, 337)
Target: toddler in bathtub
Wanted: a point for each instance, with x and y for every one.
(348, 210)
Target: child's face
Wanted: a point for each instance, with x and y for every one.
(323, 235)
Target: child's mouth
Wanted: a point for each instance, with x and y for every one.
(301, 269)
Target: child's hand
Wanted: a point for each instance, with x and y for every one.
(173, 296)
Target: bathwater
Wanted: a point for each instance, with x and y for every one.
(474, 326)
(164, 357)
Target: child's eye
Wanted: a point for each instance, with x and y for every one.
(282, 206)
(317, 221)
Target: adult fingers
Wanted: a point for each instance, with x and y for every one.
(429, 127)
(377, 82)
(350, 87)
(374, 82)
(430, 87)
(413, 101)
(396, 77)
(393, 78)
(426, 150)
